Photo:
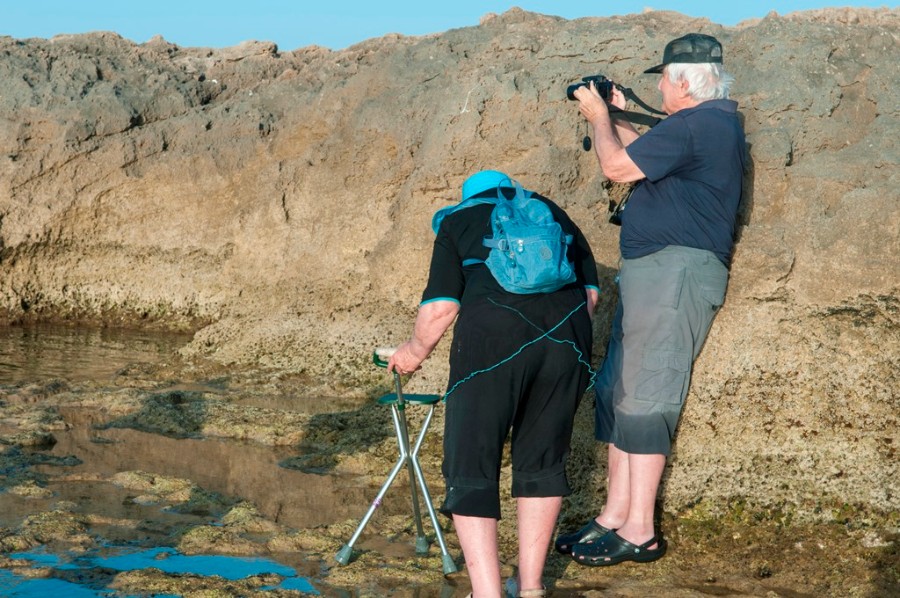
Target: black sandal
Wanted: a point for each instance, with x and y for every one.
(613, 549)
(592, 531)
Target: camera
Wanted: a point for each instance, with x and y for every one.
(604, 86)
(615, 212)
(617, 207)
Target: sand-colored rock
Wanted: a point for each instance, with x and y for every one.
(280, 202)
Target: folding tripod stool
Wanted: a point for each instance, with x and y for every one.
(398, 402)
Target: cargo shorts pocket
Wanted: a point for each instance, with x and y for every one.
(648, 284)
(712, 288)
(664, 376)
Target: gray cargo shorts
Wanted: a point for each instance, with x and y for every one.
(667, 302)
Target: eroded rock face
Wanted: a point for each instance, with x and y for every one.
(281, 203)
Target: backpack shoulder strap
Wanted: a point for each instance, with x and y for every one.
(468, 203)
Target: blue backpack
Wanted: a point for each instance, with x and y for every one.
(528, 246)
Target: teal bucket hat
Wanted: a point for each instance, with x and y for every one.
(484, 181)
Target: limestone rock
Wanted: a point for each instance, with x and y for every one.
(279, 203)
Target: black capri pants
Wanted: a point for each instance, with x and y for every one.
(506, 376)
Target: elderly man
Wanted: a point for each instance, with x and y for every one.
(676, 241)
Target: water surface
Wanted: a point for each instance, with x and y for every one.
(87, 453)
(39, 352)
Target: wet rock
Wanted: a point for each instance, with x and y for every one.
(61, 526)
(217, 540)
(158, 583)
(173, 490)
(10, 541)
(33, 439)
(246, 518)
(180, 414)
(307, 541)
(183, 496)
(30, 489)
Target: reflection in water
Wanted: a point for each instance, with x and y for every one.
(40, 352)
(244, 470)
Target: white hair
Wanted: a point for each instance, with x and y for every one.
(706, 81)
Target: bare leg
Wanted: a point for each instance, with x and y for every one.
(478, 539)
(618, 494)
(631, 497)
(645, 472)
(537, 519)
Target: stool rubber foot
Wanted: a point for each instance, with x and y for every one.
(343, 555)
(449, 565)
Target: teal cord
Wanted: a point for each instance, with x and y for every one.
(544, 335)
(575, 348)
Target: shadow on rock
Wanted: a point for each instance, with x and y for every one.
(331, 436)
(175, 414)
(886, 569)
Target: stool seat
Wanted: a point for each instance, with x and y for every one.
(391, 398)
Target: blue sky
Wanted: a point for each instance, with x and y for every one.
(334, 24)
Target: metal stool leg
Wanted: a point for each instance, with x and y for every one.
(447, 561)
(343, 555)
(416, 478)
(398, 411)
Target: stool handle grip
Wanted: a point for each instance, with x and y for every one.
(381, 355)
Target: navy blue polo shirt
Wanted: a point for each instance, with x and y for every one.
(694, 163)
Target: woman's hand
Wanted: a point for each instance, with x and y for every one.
(405, 360)
(432, 321)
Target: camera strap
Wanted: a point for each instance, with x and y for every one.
(629, 115)
(628, 93)
(637, 117)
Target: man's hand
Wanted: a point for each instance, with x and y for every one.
(590, 104)
(618, 98)
(593, 106)
(615, 162)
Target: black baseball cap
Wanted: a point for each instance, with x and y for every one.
(691, 48)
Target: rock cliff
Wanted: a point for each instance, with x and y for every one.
(279, 203)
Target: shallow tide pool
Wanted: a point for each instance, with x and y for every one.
(40, 352)
(124, 559)
(75, 471)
